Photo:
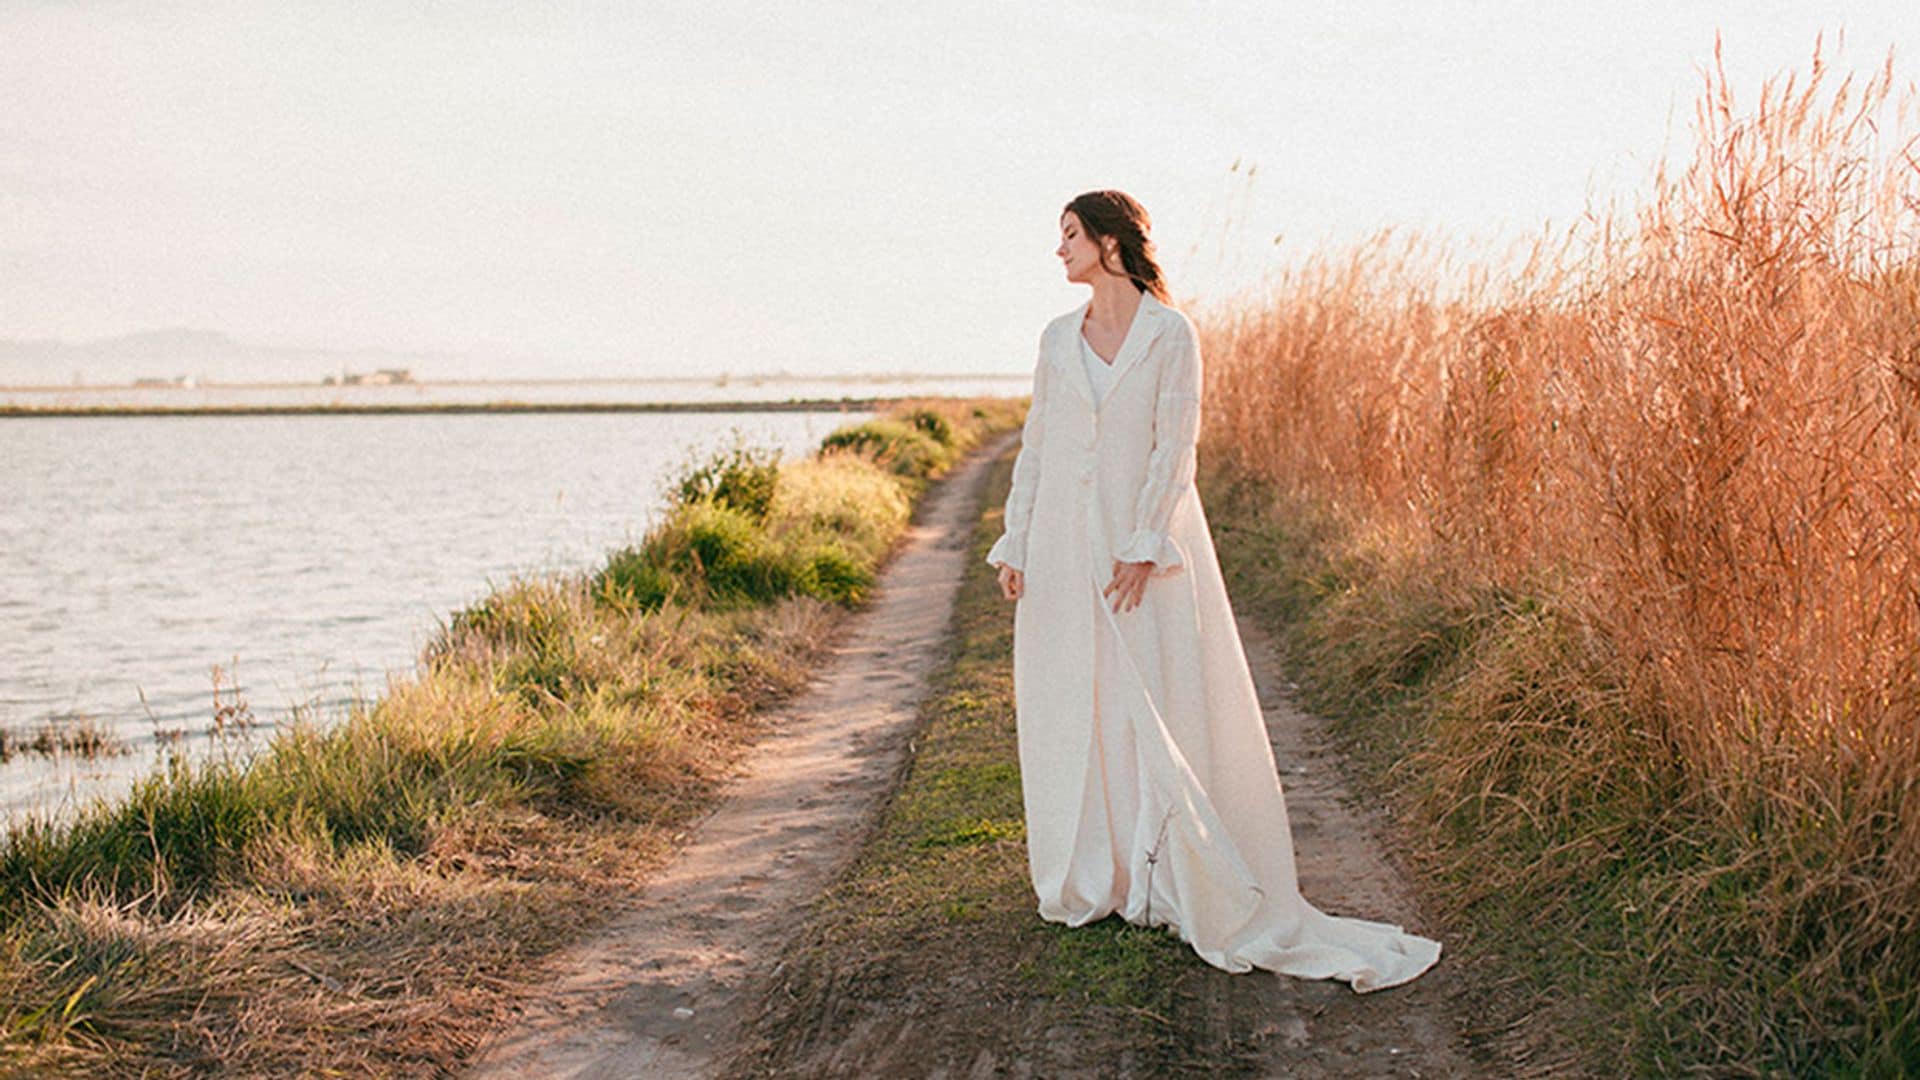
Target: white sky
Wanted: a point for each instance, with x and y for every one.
(692, 188)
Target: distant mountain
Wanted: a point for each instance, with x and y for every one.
(210, 356)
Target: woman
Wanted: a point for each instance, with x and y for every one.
(1149, 784)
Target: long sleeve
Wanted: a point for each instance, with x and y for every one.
(1011, 548)
(1170, 467)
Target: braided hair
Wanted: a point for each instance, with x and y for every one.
(1116, 214)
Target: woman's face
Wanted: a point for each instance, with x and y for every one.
(1078, 251)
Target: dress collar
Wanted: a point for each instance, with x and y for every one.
(1148, 320)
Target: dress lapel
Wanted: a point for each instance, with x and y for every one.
(1147, 323)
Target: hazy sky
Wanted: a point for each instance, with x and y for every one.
(659, 188)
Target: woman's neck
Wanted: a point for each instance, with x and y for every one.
(1114, 300)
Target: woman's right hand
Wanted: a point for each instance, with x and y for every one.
(1013, 583)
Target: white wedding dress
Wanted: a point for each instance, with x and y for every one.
(1150, 787)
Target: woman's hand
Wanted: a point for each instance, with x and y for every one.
(1128, 584)
(1013, 583)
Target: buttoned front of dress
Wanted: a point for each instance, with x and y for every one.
(1102, 478)
(1128, 454)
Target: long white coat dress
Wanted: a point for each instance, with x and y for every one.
(1149, 784)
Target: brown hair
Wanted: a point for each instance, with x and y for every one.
(1116, 214)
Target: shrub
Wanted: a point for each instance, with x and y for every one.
(725, 551)
(633, 579)
(836, 574)
(743, 477)
(934, 424)
(843, 495)
(902, 447)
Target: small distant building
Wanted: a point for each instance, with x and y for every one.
(381, 377)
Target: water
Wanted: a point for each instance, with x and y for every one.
(306, 556)
(603, 391)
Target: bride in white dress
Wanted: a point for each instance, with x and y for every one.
(1149, 784)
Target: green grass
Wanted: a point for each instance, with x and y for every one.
(743, 532)
(911, 446)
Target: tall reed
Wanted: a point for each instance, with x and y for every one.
(1689, 439)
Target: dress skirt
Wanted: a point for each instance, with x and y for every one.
(1179, 819)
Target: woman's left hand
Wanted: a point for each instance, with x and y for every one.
(1128, 584)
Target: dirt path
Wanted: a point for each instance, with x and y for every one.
(1321, 1028)
(660, 992)
(656, 992)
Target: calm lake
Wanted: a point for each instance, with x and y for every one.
(304, 556)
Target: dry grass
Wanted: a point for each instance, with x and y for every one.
(1636, 520)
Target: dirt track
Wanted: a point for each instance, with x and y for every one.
(1321, 1028)
(660, 991)
(655, 992)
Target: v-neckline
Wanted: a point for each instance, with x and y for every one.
(1132, 325)
(1095, 353)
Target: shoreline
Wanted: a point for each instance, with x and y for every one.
(843, 404)
(610, 380)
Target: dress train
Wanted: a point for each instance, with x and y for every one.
(1152, 844)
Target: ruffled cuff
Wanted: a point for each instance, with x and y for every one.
(1158, 548)
(1010, 550)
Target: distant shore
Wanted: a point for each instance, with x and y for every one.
(791, 405)
(751, 379)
